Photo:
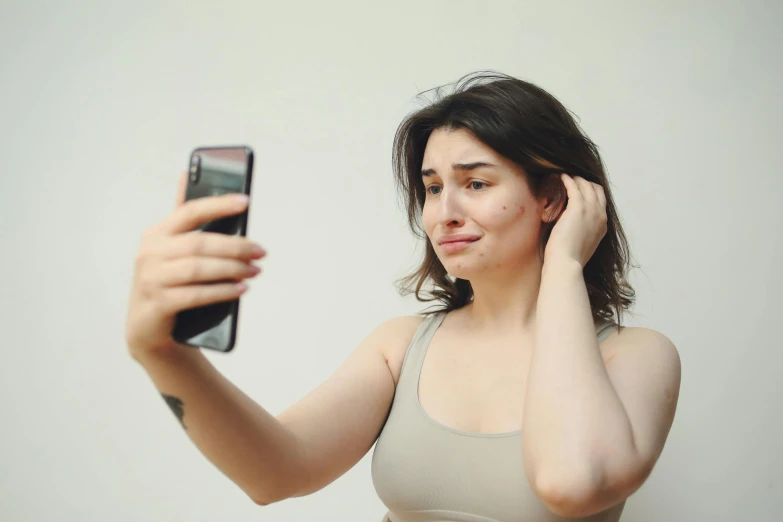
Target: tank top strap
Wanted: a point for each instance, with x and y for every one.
(414, 356)
(604, 328)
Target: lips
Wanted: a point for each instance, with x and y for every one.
(456, 238)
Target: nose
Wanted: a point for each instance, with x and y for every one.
(450, 211)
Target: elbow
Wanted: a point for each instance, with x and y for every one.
(289, 480)
(266, 502)
(281, 490)
(261, 502)
(582, 494)
(268, 498)
(566, 495)
(271, 497)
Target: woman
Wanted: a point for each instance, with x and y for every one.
(517, 399)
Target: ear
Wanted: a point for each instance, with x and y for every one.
(553, 199)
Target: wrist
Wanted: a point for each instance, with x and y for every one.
(172, 353)
(561, 266)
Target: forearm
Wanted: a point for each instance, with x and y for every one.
(574, 422)
(249, 445)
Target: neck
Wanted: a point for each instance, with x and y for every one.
(504, 301)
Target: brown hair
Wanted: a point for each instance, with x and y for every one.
(530, 127)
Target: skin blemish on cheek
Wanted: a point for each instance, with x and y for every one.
(504, 207)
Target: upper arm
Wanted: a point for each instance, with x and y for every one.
(339, 421)
(643, 368)
(645, 373)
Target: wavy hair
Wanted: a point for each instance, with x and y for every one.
(530, 127)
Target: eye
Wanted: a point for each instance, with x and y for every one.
(427, 189)
(479, 182)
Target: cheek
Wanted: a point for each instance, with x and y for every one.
(510, 221)
(509, 212)
(425, 219)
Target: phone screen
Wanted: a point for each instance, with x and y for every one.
(214, 171)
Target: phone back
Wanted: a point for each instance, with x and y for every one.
(214, 171)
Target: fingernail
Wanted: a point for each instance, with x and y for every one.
(241, 198)
(258, 251)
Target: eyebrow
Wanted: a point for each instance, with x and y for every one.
(459, 166)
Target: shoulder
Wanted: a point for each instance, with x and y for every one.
(635, 347)
(393, 337)
(645, 373)
(633, 338)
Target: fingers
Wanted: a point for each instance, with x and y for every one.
(591, 193)
(191, 214)
(585, 190)
(574, 193)
(206, 244)
(601, 194)
(198, 280)
(591, 197)
(167, 261)
(191, 270)
(178, 298)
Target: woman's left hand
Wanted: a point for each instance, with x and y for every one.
(582, 225)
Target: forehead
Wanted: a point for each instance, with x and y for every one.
(460, 151)
(445, 146)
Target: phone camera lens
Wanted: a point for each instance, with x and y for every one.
(195, 168)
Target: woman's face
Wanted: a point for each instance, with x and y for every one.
(492, 204)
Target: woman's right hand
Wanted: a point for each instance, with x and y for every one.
(173, 268)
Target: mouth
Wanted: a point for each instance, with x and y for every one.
(458, 238)
(456, 246)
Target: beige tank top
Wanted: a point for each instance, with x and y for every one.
(424, 471)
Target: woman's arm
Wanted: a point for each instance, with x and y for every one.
(305, 448)
(592, 431)
(240, 438)
(339, 421)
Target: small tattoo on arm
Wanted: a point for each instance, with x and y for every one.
(176, 406)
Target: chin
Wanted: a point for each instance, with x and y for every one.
(463, 272)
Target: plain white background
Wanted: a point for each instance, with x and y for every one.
(101, 104)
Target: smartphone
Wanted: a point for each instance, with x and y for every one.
(214, 171)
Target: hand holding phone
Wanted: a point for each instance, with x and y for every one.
(190, 267)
